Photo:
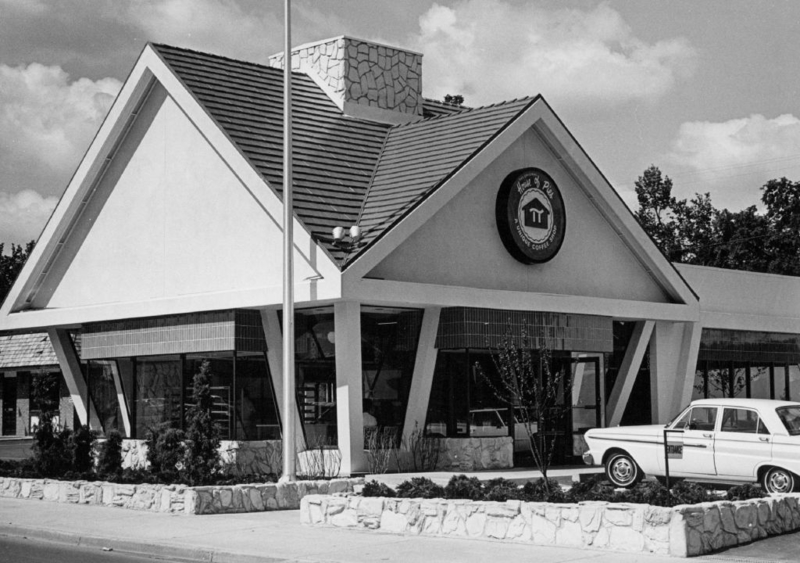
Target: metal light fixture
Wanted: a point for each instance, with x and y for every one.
(346, 240)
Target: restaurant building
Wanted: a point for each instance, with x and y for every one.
(165, 250)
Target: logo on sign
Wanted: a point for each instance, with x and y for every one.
(530, 216)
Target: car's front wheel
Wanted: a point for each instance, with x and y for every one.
(622, 470)
(778, 480)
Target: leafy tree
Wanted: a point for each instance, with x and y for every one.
(10, 265)
(202, 459)
(695, 232)
(454, 99)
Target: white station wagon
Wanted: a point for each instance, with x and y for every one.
(712, 440)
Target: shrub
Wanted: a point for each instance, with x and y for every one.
(502, 490)
(461, 486)
(420, 487)
(110, 458)
(83, 440)
(650, 492)
(165, 452)
(593, 488)
(539, 491)
(52, 448)
(377, 489)
(201, 459)
(744, 492)
(685, 492)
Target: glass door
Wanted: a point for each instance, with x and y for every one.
(586, 400)
(9, 406)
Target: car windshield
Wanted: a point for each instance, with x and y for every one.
(790, 416)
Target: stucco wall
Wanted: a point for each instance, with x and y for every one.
(460, 245)
(169, 219)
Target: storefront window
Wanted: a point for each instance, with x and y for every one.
(794, 382)
(256, 411)
(103, 394)
(448, 407)
(315, 363)
(159, 383)
(221, 372)
(760, 382)
(44, 395)
(388, 351)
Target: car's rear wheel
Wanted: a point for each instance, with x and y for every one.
(622, 470)
(777, 480)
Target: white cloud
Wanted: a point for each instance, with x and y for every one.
(23, 215)
(736, 156)
(491, 50)
(46, 119)
(243, 29)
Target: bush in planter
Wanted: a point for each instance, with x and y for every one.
(502, 490)
(591, 489)
(377, 489)
(539, 491)
(52, 448)
(165, 452)
(685, 492)
(201, 460)
(109, 464)
(649, 492)
(745, 492)
(420, 487)
(461, 486)
(83, 440)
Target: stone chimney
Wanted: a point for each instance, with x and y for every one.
(364, 79)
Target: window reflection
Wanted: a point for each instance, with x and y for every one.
(103, 394)
(158, 393)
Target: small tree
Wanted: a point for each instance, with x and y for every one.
(202, 458)
(528, 385)
(165, 452)
(109, 463)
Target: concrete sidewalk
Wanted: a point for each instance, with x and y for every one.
(266, 536)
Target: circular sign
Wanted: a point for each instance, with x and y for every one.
(530, 216)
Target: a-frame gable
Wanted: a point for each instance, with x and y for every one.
(576, 165)
(124, 148)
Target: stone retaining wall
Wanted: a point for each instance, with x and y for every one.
(470, 454)
(685, 530)
(175, 498)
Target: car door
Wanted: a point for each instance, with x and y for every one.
(742, 443)
(696, 456)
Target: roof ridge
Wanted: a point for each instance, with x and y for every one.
(225, 58)
(465, 111)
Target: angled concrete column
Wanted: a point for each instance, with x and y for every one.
(627, 372)
(123, 404)
(349, 392)
(71, 369)
(687, 365)
(668, 369)
(422, 379)
(272, 334)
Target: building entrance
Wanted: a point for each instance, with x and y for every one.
(9, 406)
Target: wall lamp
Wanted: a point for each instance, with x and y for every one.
(346, 240)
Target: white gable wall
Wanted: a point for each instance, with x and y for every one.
(460, 245)
(169, 219)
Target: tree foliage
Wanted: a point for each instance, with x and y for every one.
(202, 459)
(11, 264)
(696, 232)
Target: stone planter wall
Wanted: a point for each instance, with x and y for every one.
(175, 498)
(682, 531)
(470, 454)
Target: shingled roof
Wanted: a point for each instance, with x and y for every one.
(346, 170)
(29, 350)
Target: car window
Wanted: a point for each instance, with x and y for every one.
(742, 421)
(790, 416)
(698, 418)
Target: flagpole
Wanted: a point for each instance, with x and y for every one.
(289, 466)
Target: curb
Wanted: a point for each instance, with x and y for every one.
(162, 551)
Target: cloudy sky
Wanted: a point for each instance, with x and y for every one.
(705, 89)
